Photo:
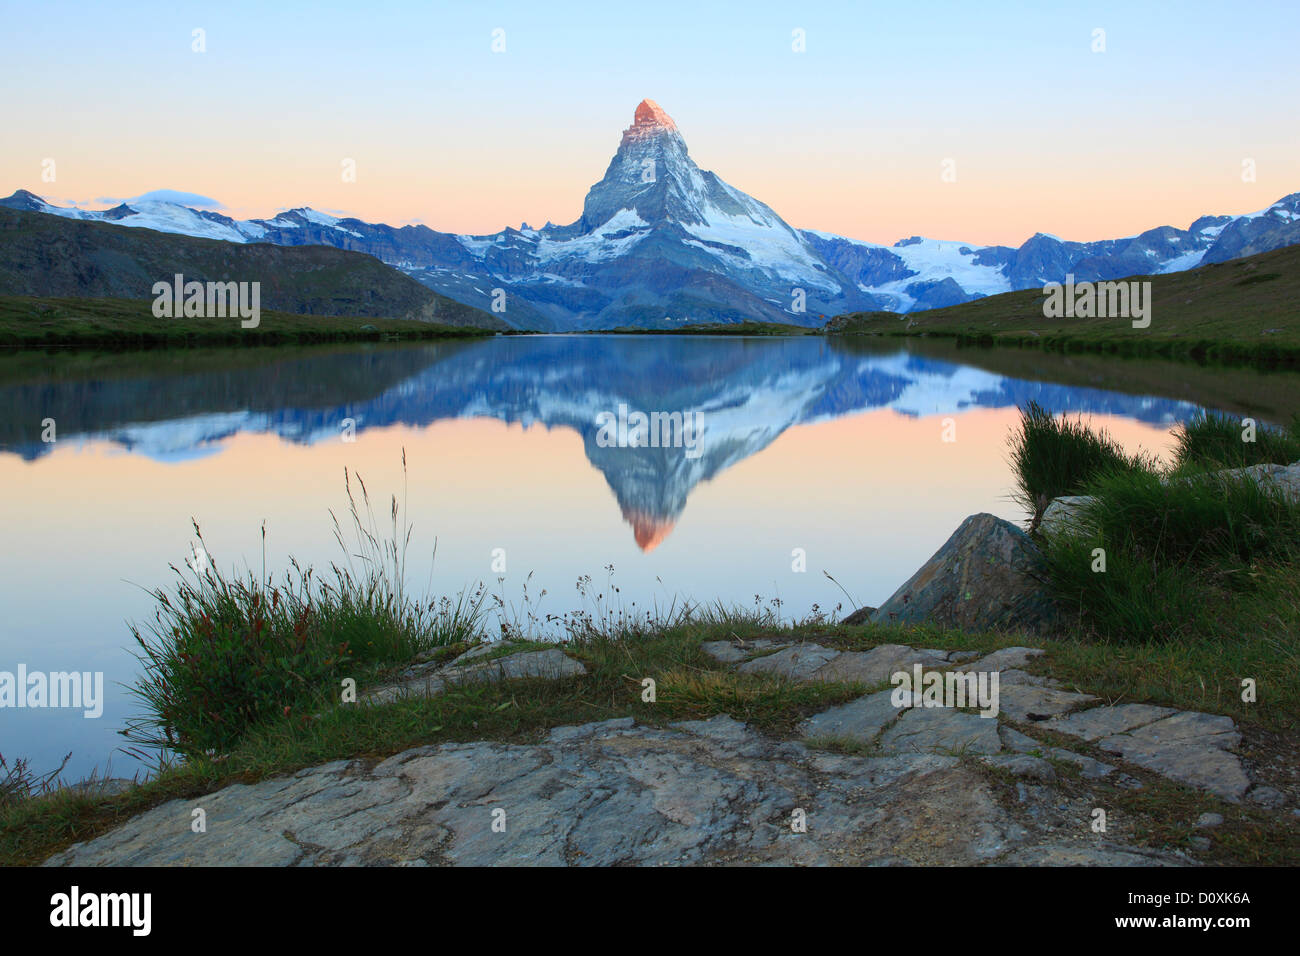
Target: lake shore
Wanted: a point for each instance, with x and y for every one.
(1091, 709)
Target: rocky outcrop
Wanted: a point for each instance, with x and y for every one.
(987, 576)
(473, 667)
(1190, 747)
(915, 790)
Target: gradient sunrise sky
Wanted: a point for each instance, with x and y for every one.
(848, 136)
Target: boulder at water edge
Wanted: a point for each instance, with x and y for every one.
(987, 576)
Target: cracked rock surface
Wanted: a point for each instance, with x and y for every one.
(863, 783)
(603, 794)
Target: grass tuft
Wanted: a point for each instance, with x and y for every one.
(1213, 441)
(1054, 456)
(225, 654)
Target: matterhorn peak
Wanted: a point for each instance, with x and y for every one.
(649, 120)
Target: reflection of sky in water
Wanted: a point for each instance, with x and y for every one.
(803, 446)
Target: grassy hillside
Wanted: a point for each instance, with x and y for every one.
(1244, 310)
(33, 321)
(45, 255)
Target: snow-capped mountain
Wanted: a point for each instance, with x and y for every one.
(661, 243)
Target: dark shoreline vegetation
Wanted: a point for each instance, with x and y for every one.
(242, 675)
(34, 322)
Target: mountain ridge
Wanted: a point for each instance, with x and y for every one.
(661, 243)
(44, 255)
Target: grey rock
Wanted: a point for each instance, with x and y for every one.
(1089, 768)
(1103, 721)
(604, 794)
(1013, 739)
(1005, 659)
(600, 728)
(794, 663)
(987, 576)
(551, 663)
(1189, 747)
(1268, 797)
(733, 652)
(479, 650)
(1066, 515)
(942, 730)
(1209, 820)
(1018, 700)
(860, 720)
(877, 665)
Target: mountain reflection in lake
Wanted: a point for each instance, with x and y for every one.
(803, 444)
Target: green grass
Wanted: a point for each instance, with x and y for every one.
(1185, 558)
(1218, 441)
(1054, 456)
(224, 655)
(39, 321)
(1162, 553)
(1243, 311)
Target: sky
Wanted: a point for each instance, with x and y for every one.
(979, 122)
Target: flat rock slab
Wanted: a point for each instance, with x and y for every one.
(797, 662)
(859, 720)
(731, 652)
(1007, 658)
(942, 730)
(550, 663)
(1190, 747)
(1103, 721)
(877, 665)
(600, 794)
(1019, 700)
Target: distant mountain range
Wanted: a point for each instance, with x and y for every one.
(41, 255)
(661, 242)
